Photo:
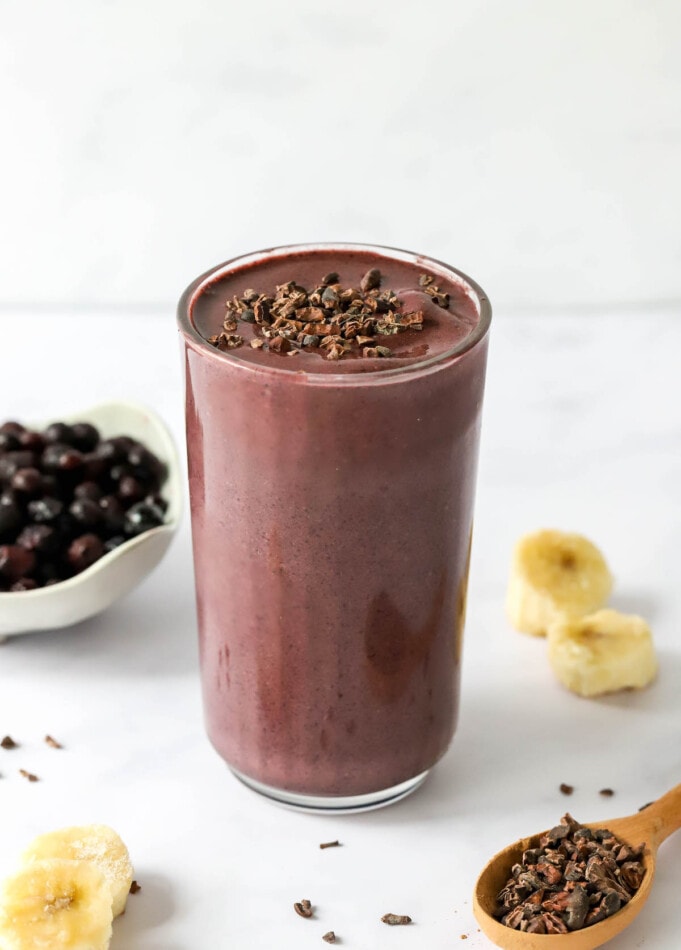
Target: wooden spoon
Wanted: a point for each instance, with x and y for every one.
(650, 827)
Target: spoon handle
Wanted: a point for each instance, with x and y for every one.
(663, 816)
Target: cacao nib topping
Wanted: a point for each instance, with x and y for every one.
(329, 318)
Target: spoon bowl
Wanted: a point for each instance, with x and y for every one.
(649, 827)
(118, 572)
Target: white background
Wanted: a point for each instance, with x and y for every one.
(535, 145)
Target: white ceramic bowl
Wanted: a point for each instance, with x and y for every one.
(118, 572)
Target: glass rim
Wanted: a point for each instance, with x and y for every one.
(417, 368)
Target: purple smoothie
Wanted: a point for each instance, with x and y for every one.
(331, 513)
(444, 326)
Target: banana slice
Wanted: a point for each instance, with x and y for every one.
(56, 905)
(602, 653)
(98, 844)
(555, 573)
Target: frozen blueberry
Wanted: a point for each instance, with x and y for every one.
(51, 486)
(11, 462)
(51, 456)
(157, 500)
(27, 481)
(145, 464)
(11, 427)
(15, 561)
(48, 573)
(70, 460)
(94, 468)
(32, 440)
(142, 517)
(114, 515)
(84, 436)
(114, 450)
(24, 583)
(67, 497)
(45, 510)
(11, 517)
(89, 490)
(59, 432)
(130, 489)
(86, 512)
(119, 471)
(114, 542)
(84, 551)
(9, 442)
(41, 538)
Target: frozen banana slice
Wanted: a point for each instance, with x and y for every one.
(56, 904)
(98, 844)
(555, 573)
(602, 653)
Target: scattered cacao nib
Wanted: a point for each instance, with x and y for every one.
(29, 775)
(573, 879)
(135, 888)
(566, 789)
(9, 743)
(329, 844)
(396, 920)
(647, 805)
(52, 743)
(303, 908)
(329, 937)
(329, 316)
(606, 792)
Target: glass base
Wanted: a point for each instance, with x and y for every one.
(331, 804)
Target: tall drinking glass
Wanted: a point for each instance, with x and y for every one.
(332, 507)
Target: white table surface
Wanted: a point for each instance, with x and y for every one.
(582, 428)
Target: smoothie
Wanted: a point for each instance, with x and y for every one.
(332, 503)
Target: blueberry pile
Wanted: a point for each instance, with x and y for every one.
(67, 497)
